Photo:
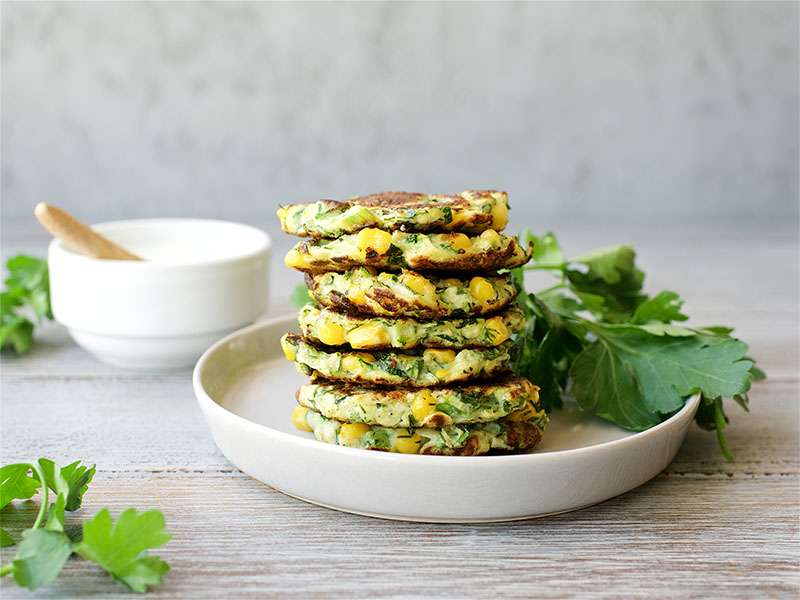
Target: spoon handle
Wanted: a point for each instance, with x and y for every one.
(78, 236)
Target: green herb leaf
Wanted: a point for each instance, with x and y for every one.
(55, 514)
(634, 378)
(16, 484)
(40, 557)
(607, 282)
(300, 296)
(756, 373)
(546, 250)
(16, 332)
(5, 539)
(31, 275)
(27, 287)
(665, 307)
(121, 547)
(75, 476)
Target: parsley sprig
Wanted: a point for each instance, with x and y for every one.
(118, 547)
(27, 294)
(623, 355)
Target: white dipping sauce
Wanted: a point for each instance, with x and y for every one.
(184, 241)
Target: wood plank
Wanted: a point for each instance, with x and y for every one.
(682, 536)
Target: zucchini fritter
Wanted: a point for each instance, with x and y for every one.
(432, 367)
(508, 434)
(362, 290)
(471, 212)
(415, 407)
(488, 251)
(334, 328)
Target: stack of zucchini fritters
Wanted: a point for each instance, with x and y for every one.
(409, 332)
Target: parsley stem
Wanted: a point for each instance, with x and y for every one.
(552, 288)
(720, 424)
(45, 500)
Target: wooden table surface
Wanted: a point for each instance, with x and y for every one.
(703, 528)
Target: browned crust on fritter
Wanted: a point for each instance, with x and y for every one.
(522, 435)
(468, 449)
(408, 200)
(395, 305)
(486, 261)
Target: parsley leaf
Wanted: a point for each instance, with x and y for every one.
(597, 336)
(40, 557)
(16, 484)
(121, 547)
(608, 282)
(300, 296)
(664, 307)
(546, 250)
(5, 539)
(76, 477)
(29, 277)
(27, 288)
(634, 378)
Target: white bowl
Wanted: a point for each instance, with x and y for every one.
(202, 280)
(246, 387)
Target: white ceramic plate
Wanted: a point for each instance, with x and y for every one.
(245, 388)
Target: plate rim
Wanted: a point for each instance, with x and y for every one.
(207, 403)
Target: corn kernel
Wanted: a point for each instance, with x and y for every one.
(499, 216)
(374, 239)
(294, 259)
(356, 296)
(299, 418)
(497, 329)
(408, 444)
(418, 284)
(330, 333)
(354, 363)
(350, 433)
(491, 236)
(424, 404)
(351, 364)
(440, 356)
(442, 374)
(282, 213)
(288, 350)
(460, 241)
(368, 336)
(481, 290)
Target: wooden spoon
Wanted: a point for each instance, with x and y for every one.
(79, 236)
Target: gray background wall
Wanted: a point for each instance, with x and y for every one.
(586, 113)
